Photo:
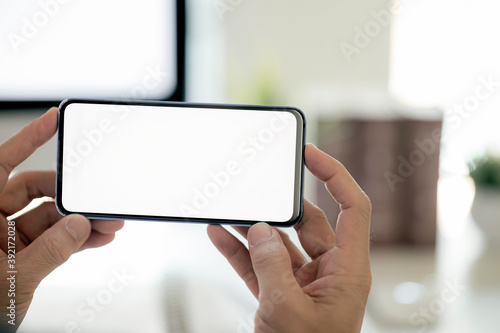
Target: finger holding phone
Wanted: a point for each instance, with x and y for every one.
(37, 242)
(326, 292)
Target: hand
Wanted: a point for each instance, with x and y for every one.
(43, 240)
(326, 293)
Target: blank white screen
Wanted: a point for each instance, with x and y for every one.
(181, 162)
(53, 49)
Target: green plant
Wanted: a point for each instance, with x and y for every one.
(485, 171)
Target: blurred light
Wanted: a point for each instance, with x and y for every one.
(408, 292)
(455, 196)
(443, 63)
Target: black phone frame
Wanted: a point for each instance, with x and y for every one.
(299, 162)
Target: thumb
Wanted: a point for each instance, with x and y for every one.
(55, 246)
(271, 262)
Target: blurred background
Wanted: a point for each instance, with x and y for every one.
(404, 93)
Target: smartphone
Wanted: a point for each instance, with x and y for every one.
(182, 162)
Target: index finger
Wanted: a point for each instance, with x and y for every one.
(353, 224)
(315, 233)
(22, 144)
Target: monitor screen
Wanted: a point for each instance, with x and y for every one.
(57, 49)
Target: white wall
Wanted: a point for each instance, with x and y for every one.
(298, 44)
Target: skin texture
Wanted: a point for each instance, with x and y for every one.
(326, 292)
(43, 239)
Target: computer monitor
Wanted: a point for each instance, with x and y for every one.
(56, 49)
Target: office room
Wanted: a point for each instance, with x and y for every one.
(404, 94)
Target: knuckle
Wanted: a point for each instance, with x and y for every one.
(365, 284)
(284, 236)
(268, 255)
(364, 205)
(248, 276)
(367, 203)
(234, 254)
(55, 251)
(319, 214)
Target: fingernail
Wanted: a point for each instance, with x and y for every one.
(259, 233)
(78, 227)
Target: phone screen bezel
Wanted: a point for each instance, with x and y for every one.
(299, 161)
